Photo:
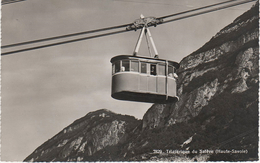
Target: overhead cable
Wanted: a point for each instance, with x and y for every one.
(104, 29)
(63, 36)
(106, 34)
(64, 42)
(5, 2)
(196, 9)
(207, 11)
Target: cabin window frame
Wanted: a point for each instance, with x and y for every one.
(136, 67)
(125, 67)
(171, 72)
(114, 66)
(153, 73)
(161, 65)
(143, 63)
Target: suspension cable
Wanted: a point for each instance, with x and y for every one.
(104, 29)
(5, 2)
(108, 28)
(207, 11)
(64, 42)
(196, 9)
(63, 36)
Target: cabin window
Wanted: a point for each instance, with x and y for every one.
(116, 67)
(170, 71)
(113, 68)
(161, 69)
(153, 69)
(134, 66)
(143, 67)
(125, 65)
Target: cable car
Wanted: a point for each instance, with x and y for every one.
(144, 79)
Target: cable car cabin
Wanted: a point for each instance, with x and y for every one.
(143, 79)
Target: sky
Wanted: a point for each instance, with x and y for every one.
(45, 90)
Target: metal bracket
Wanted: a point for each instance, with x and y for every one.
(144, 22)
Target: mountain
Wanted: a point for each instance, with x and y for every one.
(215, 119)
(86, 136)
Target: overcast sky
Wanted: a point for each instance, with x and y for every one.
(45, 90)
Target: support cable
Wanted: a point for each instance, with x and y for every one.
(109, 28)
(207, 11)
(5, 2)
(103, 29)
(196, 9)
(64, 42)
(63, 36)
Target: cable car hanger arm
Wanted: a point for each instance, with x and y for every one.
(144, 22)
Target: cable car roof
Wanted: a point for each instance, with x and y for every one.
(120, 57)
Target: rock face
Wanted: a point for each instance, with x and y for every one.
(227, 63)
(85, 137)
(217, 111)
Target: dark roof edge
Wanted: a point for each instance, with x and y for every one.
(120, 57)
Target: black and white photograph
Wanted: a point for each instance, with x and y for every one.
(129, 80)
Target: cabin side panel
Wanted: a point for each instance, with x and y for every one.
(143, 82)
(161, 84)
(152, 84)
(171, 87)
(125, 82)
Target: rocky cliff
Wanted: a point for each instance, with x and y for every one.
(216, 117)
(85, 136)
(227, 63)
